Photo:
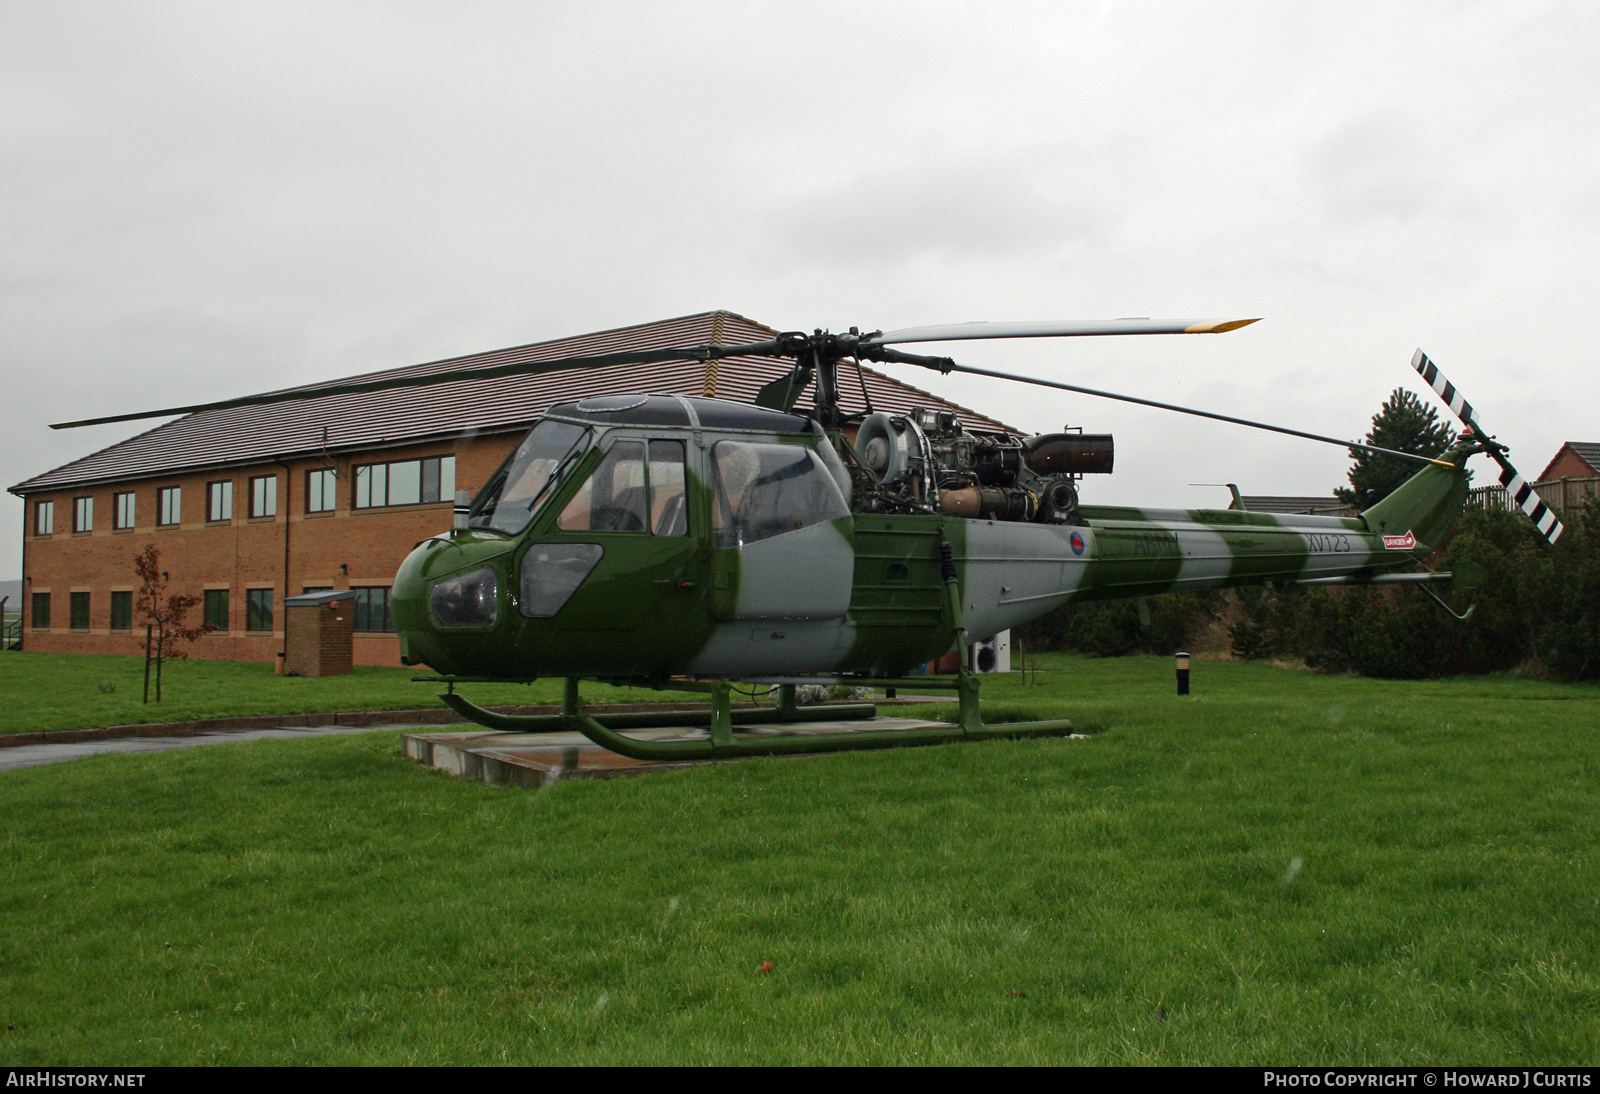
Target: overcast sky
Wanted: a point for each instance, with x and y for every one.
(205, 200)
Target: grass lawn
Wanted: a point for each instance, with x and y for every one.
(1282, 868)
(43, 691)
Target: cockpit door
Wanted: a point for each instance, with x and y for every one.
(620, 576)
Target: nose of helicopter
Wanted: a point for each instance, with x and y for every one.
(446, 598)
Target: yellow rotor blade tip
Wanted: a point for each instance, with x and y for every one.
(1220, 328)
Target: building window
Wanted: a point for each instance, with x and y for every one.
(307, 590)
(170, 500)
(372, 610)
(321, 487)
(122, 510)
(217, 608)
(407, 482)
(41, 611)
(258, 610)
(219, 500)
(83, 514)
(79, 605)
(44, 518)
(122, 611)
(264, 496)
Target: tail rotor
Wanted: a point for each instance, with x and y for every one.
(1520, 490)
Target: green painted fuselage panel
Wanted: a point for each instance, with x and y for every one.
(864, 593)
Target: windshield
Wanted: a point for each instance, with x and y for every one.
(507, 504)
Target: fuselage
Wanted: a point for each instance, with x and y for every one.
(670, 536)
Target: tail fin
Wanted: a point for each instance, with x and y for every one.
(1426, 504)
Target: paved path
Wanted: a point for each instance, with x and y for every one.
(34, 755)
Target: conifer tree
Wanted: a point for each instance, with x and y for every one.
(1404, 424)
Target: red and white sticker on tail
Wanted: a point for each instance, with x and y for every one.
(1400, 543)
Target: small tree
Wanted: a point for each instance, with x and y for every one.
(163, 616)
(1405, 425)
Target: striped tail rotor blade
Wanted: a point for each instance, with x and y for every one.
(1528, 500)
(1445, 390)
(1519, 489)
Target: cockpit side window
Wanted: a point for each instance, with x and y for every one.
(634, 489)
(669, 499)
(613, 498)
(511, 498)
(766, 490)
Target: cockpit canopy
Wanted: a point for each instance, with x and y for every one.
(621, 500)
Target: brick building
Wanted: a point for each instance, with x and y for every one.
(1572, 478)
(249, 505)
(1576, 460)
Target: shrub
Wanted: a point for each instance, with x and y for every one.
(1112, 628)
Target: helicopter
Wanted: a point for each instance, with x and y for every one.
(691, 543)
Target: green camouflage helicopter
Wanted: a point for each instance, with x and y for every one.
(688, 543)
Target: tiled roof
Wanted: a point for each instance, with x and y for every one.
(1589, 451)
(255, 434)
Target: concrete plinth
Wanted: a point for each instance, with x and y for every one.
(532, 760)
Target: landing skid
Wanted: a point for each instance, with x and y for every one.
(721, 743)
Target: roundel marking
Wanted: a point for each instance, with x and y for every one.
(1077, 544)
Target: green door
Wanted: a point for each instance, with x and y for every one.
(617, 584)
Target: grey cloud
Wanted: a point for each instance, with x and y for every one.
(1373, 169)
(994, 208)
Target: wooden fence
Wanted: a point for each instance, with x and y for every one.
(1562, 495)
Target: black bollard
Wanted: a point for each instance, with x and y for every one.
(1183, 673)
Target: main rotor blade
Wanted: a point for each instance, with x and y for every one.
(1070, 328)
(392, 383)
(1521, 491)
(944, 364)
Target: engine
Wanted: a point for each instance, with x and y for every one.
(925, 462)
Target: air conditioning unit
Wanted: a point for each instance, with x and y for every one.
(992, 654)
